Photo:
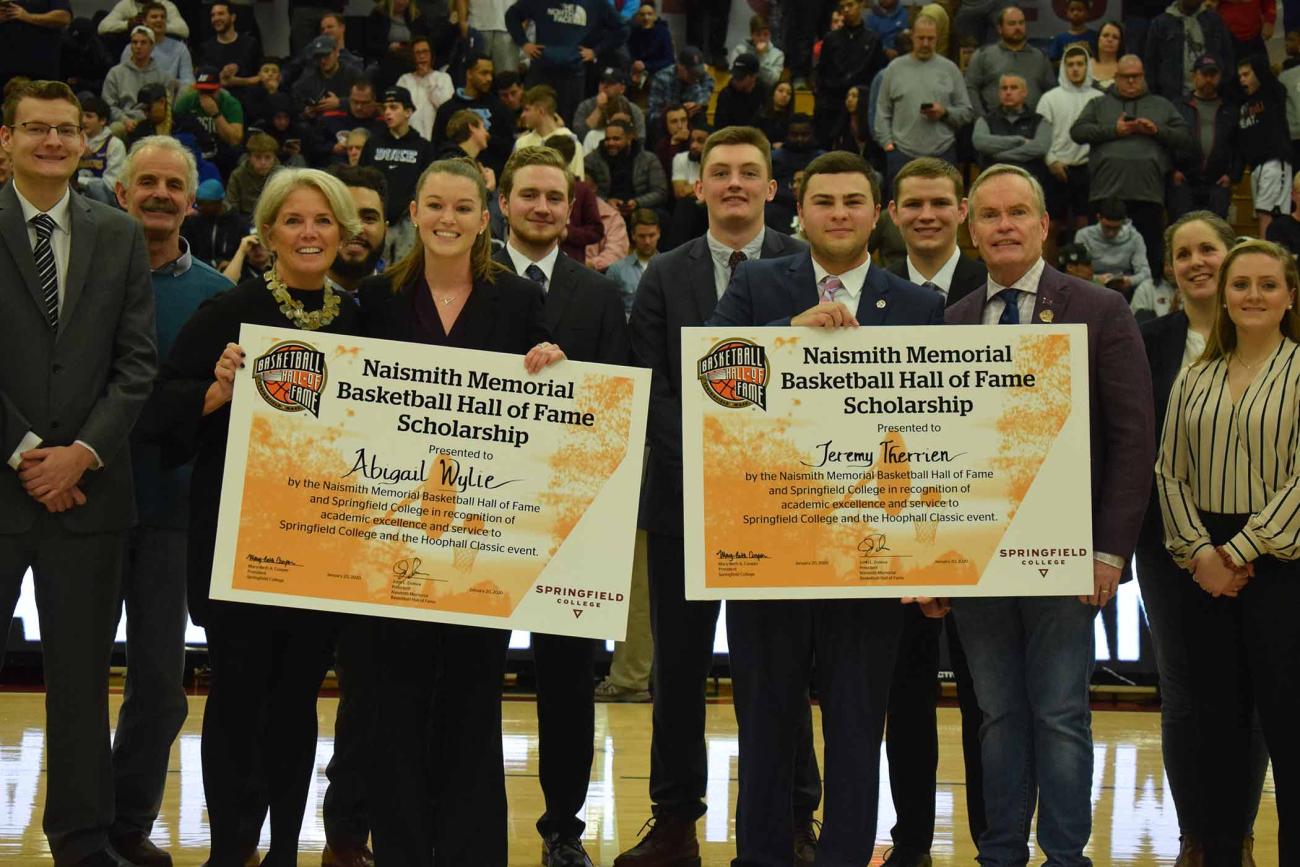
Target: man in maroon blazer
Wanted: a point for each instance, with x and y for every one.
(1031, 657)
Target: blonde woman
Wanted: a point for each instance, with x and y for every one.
(1228, 478)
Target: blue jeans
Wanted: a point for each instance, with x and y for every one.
(1031, 659)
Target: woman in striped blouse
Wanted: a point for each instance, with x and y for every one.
(1229, 490)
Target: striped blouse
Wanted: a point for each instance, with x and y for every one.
(1236, 460)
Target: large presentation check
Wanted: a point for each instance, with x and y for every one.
(868, 462)
(403, 480)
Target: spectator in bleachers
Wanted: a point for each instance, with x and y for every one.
(214, 230)
(1013, 133)
(569, 35)
(744, 96)
(805, 34)
(887, 19)
(615, 106)
(401, 154)
(625, 175)
(771, 60)
(251, 260)
(1135, 136)
(1067, 160)
(1204, 176)
(1013, 54)
(429, 87)
(356, 144)
(1285, 229)
(477, 96)
(591, 112)
(1177, 36)
(1110, 48)
(689, 218)
(257, 99)
(788, 162)
(673, 136)
(921, 105)
(102, 161)
(126, 80)
(154, 109)
(851, 56)
(321, 88)
(390, 27)
(509, 90)
(686, 83)
(333, 25)
(1290, 79)
(1250, 23)
(488, 18)
(585, 226)
(645, 246)
(1117, 252)
(30, 35)
(284, 126)
(978, 18)
(540, 118)
(467, 136)
(1292, 45)
(171, 55)
(83, 61)
(1076, 12)
(1074, 260)
(211, 107)
(248, 180)
(649, 43)
(686, 165)
(614, 245)
(853, 129)
(125, 14)
(235, 55)
(836, 22)
(327, 137)
(1158, 300)
(1263, 139)
(774, 119)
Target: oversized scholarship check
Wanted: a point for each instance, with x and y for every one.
(888, 461)
(430, 483)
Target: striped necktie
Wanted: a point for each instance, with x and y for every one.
(46, 270)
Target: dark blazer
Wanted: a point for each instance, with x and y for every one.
(676, 291)
(90, 379)
(772, 291)
(501, 315)
(969, 275)
(1120, 414)
(1166, 340)
(584, 310)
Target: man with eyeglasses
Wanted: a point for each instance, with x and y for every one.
(79, 327)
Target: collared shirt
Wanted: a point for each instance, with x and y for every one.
(721, 255)
(853, 282)
(546, 263)
(942, 279)
(60, 238)
(1028, 286)
(179, 266)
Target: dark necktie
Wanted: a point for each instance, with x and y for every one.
(1011, 309)
(537, 275)
(737, 256)
(933, 288)
(46, 270)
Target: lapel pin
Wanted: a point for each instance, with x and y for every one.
(1045, 315)
(880, 304)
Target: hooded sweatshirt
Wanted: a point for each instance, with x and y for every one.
(1262, 132)
(1061, 106)
(1126, 253)
(122, 88)
(1131, 167)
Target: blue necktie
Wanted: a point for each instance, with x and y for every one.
(1011, 309)
(537, 275)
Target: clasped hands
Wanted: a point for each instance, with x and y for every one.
(52, 475)
(1213, 575)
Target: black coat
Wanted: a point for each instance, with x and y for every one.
(1165, 339)
(969, 276)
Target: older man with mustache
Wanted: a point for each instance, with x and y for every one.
(157, 189)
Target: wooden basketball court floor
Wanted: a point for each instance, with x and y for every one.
(1134, 820)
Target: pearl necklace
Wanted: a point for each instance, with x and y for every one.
(294, 310)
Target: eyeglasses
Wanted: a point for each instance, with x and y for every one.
(38, 130)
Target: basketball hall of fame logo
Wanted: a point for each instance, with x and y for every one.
(291, 376)
(734, 373)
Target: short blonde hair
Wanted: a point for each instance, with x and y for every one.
(282, 183)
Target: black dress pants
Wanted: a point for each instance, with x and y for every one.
(259, 726)
(912, 741)
(566, 728)
(849, 645)
(683, 656)
(345, 811)
(438, 792)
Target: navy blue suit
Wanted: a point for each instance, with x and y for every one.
(776, 645)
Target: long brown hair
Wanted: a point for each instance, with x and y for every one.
(1223, 336)
(481, 266)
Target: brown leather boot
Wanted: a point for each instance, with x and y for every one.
(138, 849)
(1190, 852)
(670, 842)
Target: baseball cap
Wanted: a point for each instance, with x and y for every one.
(140, 28)
(210, 191)
(1073, 254)
(1205, 63)
(691, 58)
(149, 94)
(207, 79)
(744, 64)
(320, 46)
(399, 95)
(613, 75)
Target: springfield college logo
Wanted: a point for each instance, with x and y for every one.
(734, 374)
(291, 377)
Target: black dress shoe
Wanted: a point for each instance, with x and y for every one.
(346, 856)
(899, 857)
(138, 849)
(562, 851)
(102, 858)
(805, 842)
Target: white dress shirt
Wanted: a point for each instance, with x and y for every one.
(546, 263)
(721, 255)
(853, 281)
(942, 279)
(1028, 286)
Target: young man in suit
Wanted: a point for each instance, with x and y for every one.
(853, 641)
(928, 206)
(584, 310)
(1032, 657)
(681, 288)
(82, 362)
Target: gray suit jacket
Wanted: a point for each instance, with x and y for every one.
(89, 379)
